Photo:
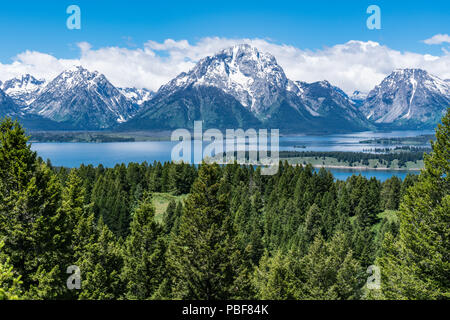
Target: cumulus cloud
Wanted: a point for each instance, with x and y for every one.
(438, 39)
(40, 65)
(355, 65)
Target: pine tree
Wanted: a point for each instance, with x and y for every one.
(144, 253)
(416, 265)
(330, 215)
(390, 193)
(344, 212)
(203, 254)
(112, 200)
(177, 220)
(409, 181)
(256, 245)
(30, 222)
(51, 278)
(100, 261)
(272, 278)
(312, 226)
(329, 271)
(10, 283)
(155, 177)
(170, 217)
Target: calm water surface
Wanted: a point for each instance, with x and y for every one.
(109, 154)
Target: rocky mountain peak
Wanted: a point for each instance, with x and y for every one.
(408, 97)
(254, 78)
(23, 90)
(85, 98)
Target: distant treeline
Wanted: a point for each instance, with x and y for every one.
(422, 139)
(358, 157)
(77, 137)
(398, 148)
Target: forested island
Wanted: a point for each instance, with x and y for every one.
(179, 231)
(403, 159)
(418, 140)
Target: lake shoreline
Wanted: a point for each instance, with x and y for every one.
(363, 168)
(91, 151)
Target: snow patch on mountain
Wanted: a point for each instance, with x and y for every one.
(411, 95)
(84, 97)
(358, 97)
(321, 98)
(23, 90)
(252, 77)
(136, 96)
(7, 106)
(260, 85)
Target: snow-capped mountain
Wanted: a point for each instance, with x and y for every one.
(408, 98)
(84, 99)
(245, 87)
(136, 96)
(358, 97)
(253, 78)
(239, 87)
(325, 100)
(7, 106)
(23, 90)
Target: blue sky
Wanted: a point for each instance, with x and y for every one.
(40, 26)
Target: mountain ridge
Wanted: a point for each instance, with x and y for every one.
(23, 90)
(256, 81)
(239, 86)
(408, 98)
(85, 99)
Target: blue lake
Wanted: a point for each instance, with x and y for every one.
(110, 154)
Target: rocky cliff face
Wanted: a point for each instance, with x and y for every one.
(408, 98)
(85, 99)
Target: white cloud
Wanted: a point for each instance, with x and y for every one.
(352, 65)
(40, 65)
(438, 39)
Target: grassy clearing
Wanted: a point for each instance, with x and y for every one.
(390, 215)
(161, 202)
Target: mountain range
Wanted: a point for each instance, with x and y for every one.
(7, 105)
(242, 87)
(239, 87)
(23, 90)
(410, 98)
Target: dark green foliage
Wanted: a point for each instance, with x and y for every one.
(202, 254)
(100, 261)
(327, 271)
(30, 222)
(390, 193)
(415, 264)
(9, 281)
(170, 217)
(144, 254)
(298, 234)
